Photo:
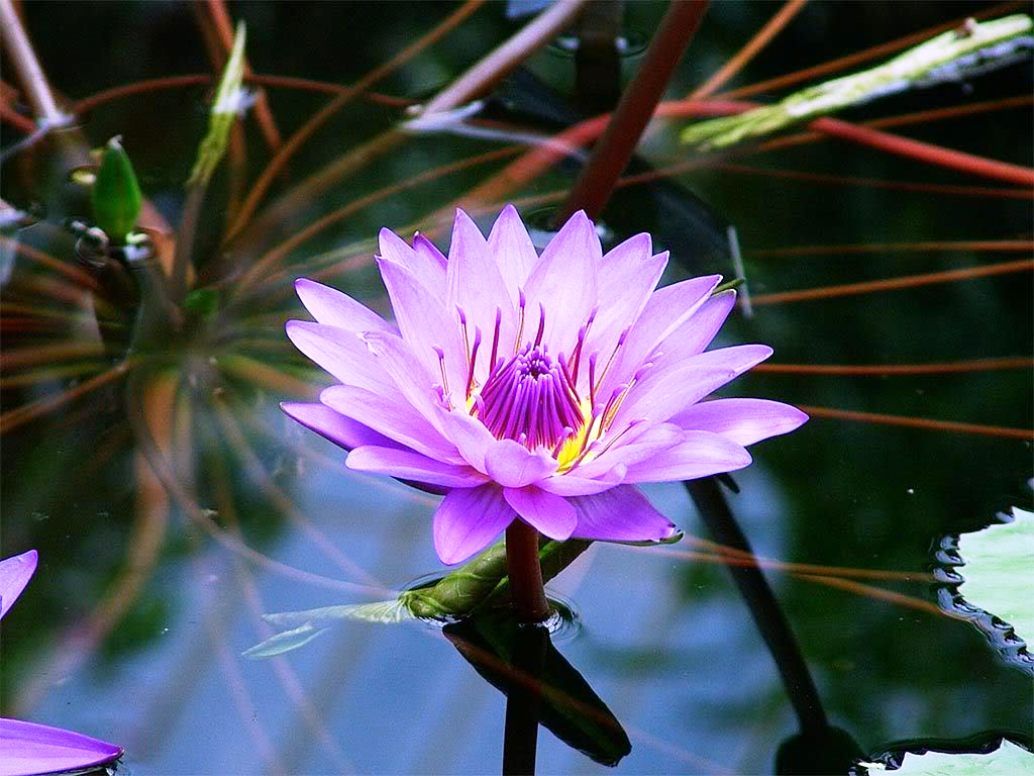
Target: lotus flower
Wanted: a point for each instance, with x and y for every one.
(542, 388)
(27, 748)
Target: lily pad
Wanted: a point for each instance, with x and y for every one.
(1007, 760)
(991, 587)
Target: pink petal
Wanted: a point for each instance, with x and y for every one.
(423, 264)
(514, 466)
(468, 520)
(343, 432)
(330, 306)
(573, 485)
(513, 251)
(470, 437)
(425, 324)
(699, 454)
(636, 444)
(621, 514)
(408, 465)
(342, 353)
(563, 284)
(394, 418)
(744, 421)
(670, 386)
(28, 748)
(665, 311)
(549, 514)
(408, 373)
(15, 573)
(697, 332)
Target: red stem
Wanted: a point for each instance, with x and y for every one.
(525, 572)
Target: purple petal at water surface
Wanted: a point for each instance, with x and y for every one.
(548, 514)
(343, 432)
(27, 748)
(15, 573)
(329, 306)
(744, 421)
(621, 514)
(468, 520)
(408, 465)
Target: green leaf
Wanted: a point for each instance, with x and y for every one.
(203, 302)
(1007, 760)
(116, 196)
(229, 99)
(285, 642)
(999, 565)
(381, 611)
(971, 49)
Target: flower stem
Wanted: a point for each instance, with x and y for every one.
(522, 563)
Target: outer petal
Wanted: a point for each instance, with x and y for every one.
(671, 386)
(744, 421)
(467, 521)
(342, 353)
(700, 454)
(15, 573)
(407, 465)
(513, 251)
(408, 373)
(333, 308)
(425, 266)
(29, 748)
(550, 514)
(621, 514)
(343, 432)
(573, 485)
(514, 466)
(635, 445)
(696, 333)
(563, 283)
(394, 418)
(470, 437)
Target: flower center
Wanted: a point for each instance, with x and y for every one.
(530, 399)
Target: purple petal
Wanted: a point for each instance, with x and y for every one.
(744, 421)
(342, 353)
(407, 372)
(574, 485)
(429, 251)
(425, 324)
(621, 514)
(28, 748)
(563, 283)
(637, 444)
(470, 437)
(513, 251)
(15, 573)
(407, 465)
(394, 418)
(514, 466)
(665, 311)
(670, 386)
(468, 520)
(343, 432)
(423, 264)
(699, 454)
(330, 306)
(548, 514)
(697, 332)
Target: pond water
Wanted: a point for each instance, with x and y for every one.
(151, 586)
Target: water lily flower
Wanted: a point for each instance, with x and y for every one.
(541, 388)
(27, 748)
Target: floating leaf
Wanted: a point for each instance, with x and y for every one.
(994, 588)
(116, 196)
(1007, 760)
(973, 48)
(285, 642)
(228, 102)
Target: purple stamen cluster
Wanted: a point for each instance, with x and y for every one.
(530, 399)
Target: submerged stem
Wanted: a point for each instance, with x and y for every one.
(525, 572)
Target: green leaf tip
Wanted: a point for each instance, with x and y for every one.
(116, 197)
(228, 103)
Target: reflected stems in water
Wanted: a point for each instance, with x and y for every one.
(525, 572)
(764, 607)
(521, 730)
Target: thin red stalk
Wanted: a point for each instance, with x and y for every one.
(965, 246)
(951, 112)
(950, 367)
(638, 103)
(923, 423)
(739, 60)
(16, 120)
(525, 572)
(321, 117)
(894, 284)
(263, 115)
(890, 47)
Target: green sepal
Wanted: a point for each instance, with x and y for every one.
(116, 196)
(225, 108)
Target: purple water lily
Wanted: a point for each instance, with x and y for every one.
(27, 748)
(535, 387)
